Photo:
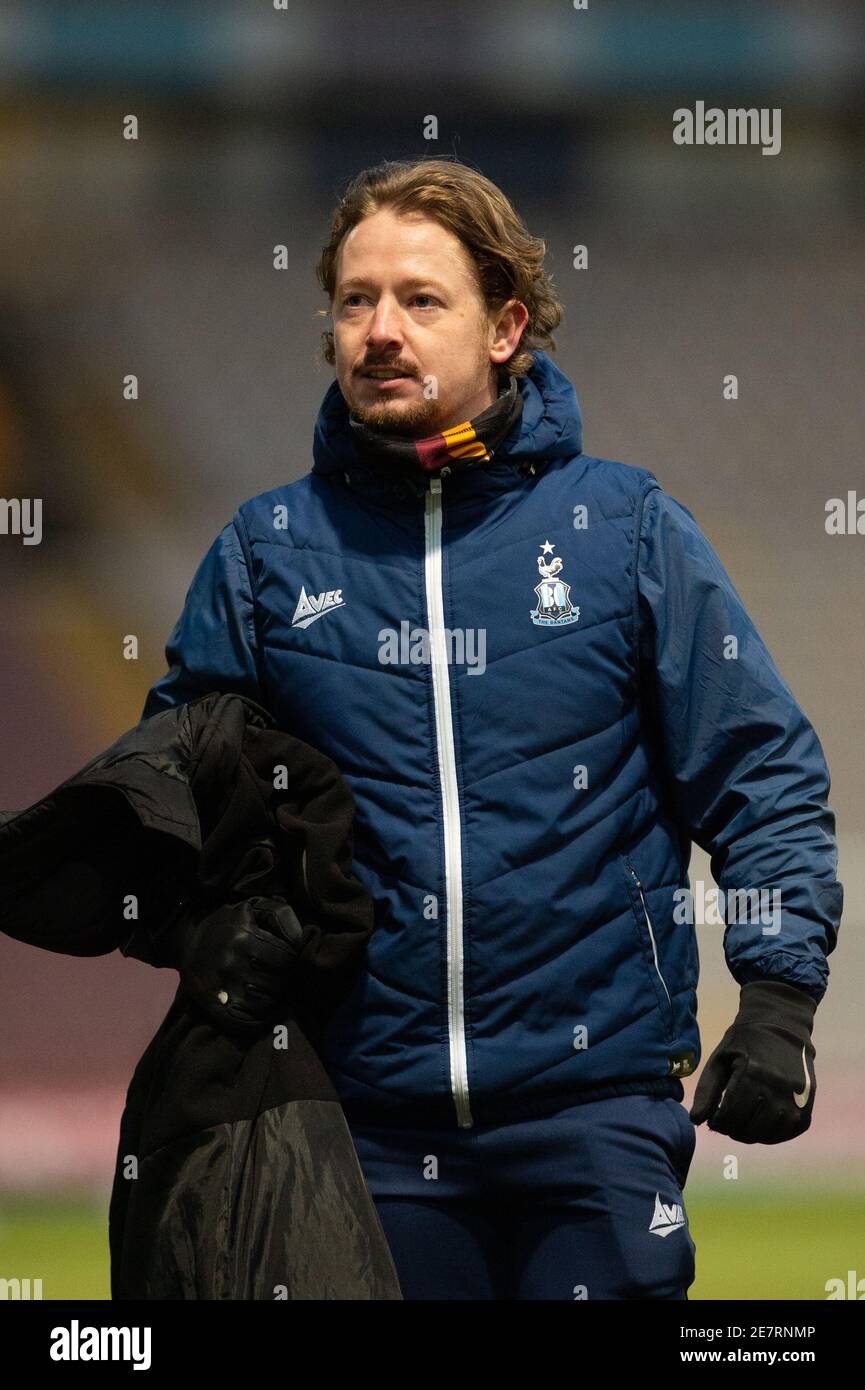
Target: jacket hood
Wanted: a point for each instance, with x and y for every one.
(550, 426)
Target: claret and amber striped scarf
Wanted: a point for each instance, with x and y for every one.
(460, 447)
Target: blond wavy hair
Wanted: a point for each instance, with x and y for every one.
(509, 261)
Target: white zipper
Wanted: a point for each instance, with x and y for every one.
(651, 935)
(450, 804)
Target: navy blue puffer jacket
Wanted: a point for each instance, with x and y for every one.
(541, 686)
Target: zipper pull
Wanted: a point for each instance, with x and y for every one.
(435, 484)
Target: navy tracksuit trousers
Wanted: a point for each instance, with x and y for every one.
(583, 1204)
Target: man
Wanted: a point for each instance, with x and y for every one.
(541, 686)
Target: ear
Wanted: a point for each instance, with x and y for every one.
(506, 328)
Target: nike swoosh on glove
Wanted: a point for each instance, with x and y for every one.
(758, 1086)
(234, 960)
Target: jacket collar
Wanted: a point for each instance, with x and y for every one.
(546, 427)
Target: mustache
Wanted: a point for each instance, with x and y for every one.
(397, 367)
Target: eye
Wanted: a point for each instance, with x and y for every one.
(347, 301)
(433, 302)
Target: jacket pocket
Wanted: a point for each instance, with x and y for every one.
(646, 930)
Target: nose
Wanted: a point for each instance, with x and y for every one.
(385, 330)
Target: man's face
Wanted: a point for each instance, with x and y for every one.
(415, 346)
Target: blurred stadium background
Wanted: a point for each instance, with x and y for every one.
(154, 256)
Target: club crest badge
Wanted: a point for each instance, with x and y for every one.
(554, 595)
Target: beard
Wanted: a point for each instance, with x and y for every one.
(410, 420)
(415, 419)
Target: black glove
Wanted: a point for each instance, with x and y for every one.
(765, 1060)
(234, 960)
